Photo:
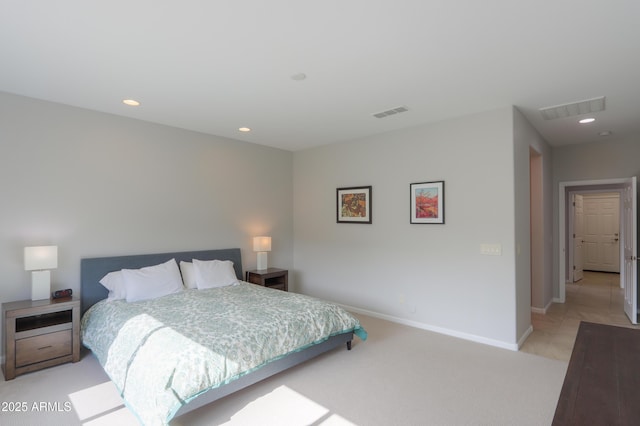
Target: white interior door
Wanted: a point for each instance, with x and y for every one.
(602, 232)
(578, 236)
(630, 271)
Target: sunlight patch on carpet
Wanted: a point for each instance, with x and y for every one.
(285, 407)
(101, 404)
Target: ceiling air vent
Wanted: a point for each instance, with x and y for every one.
(389, 112)
(573, 109)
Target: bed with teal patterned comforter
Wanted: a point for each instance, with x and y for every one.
(163, 353)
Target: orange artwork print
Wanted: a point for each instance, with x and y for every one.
(426, 203)
(354, 205)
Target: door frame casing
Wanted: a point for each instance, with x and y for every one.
(582, 186)
(571, 268)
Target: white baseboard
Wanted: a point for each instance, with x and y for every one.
(524, 336)
(441, 330)
(543, 310)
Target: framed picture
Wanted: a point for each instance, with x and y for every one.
(427, 202)
(353, 205)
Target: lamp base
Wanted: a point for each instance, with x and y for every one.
(40, 285)
(262, 260)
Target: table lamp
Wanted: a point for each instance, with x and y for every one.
(39, 260)
(262, 245)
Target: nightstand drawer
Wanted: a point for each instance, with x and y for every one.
(43, 347)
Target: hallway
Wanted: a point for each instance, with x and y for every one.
(596, 298)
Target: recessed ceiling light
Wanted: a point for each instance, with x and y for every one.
(587, 120)
(244, 129)
(605, 133)
(299, 77)
(131, 102)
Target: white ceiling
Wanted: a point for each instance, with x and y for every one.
(215, 66)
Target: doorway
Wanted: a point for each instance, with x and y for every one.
(626, 188)
(594, 224)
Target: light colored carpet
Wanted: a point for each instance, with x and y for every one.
(399, 376)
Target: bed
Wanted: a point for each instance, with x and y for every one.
(175, 353)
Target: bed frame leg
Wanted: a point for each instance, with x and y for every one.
(349, 345)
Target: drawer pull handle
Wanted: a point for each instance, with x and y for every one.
(45, 347)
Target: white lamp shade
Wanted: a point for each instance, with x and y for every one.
(40, 258)
(261, 244)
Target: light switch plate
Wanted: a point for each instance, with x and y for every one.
(491, 249)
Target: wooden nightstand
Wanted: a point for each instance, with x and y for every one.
(270, 277)
(39, 334)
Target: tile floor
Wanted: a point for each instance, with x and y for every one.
(596, 298)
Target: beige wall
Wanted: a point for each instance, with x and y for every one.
(536, 293)
(98, 185)
(432, 276)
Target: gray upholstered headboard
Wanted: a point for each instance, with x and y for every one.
(93, 269)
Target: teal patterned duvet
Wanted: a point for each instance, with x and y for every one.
(162, 353)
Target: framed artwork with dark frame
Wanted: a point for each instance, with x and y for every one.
(353, 205)
(427, 202)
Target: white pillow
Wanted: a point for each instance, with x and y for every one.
(114, 282)
(214, 273)
(188, 274)
(152, 281)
